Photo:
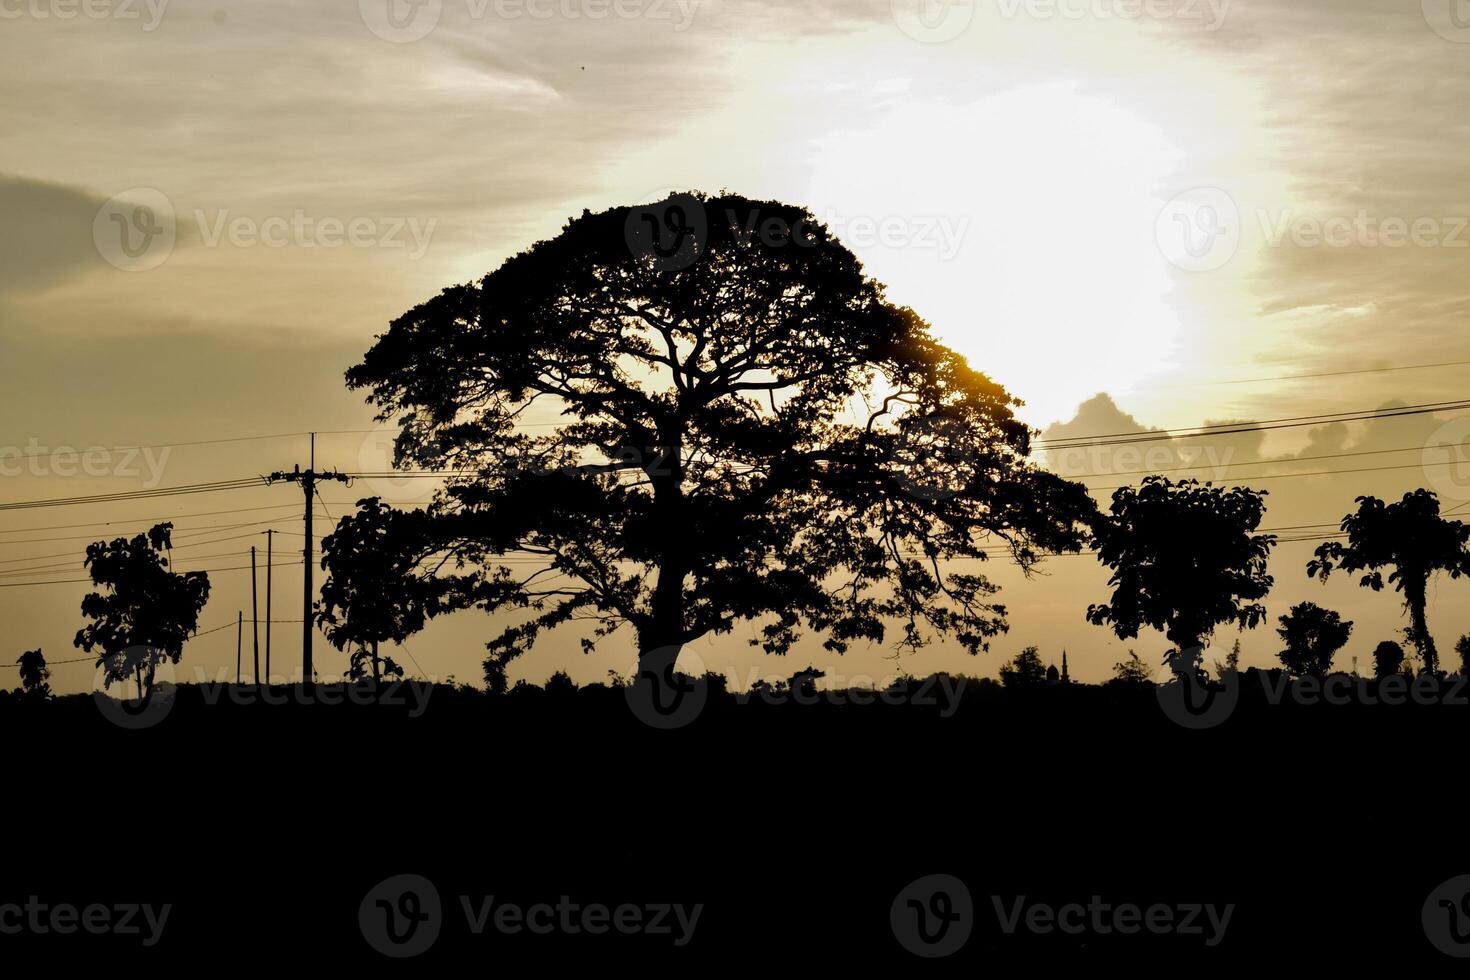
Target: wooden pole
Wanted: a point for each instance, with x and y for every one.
(254, 616)
(269, 551)
(239, 644)
(308, 484)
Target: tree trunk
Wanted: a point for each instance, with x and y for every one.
(1415, 594)
(1188, 652)
(377, 666)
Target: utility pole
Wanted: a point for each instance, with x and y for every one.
(239, 644)
(308, 481)
(269, 541)
(254, 616)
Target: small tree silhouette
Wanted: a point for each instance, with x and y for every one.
(1462, 647)
(1133, 670)
(1388, 659)
(1026, 670)
(1408, 536)
(34, 674)
(148, 611)
(1313, 636)
(1185, 560)
(373, 593)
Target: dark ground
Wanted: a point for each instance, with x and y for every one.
(795, 825)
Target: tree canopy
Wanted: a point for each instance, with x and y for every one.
(147, 612)
(734, 425)
(1410, 537)
(1185, 559)
(1312, 636)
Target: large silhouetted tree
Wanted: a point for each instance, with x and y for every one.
(1185, 559)
(1408, 536)
(1312, 636)
(373, 592)
(701, 412)
(146, 613)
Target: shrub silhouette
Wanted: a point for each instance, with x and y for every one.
(695, 462)
(34, 674)
(1388, 659)
(1025, 670)
(1185, 560)
(1408, 536)
(1313, 636)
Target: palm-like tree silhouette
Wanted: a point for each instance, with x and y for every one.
(1409, 537)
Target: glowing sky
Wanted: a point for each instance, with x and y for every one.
(1006, 167)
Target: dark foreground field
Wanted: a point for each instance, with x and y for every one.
(793, 823)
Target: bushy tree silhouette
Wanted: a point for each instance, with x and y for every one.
(1388, 659)
(1408, 536)
(672, 432)
(34, 674)
(1185, 559)
(1312, 636)
(1133, 670)
(372, 593)
(1025, 670)
(148, 611)
(1462, 647)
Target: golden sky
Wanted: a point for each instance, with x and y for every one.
(1143, 199)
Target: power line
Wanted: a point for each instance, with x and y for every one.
(1232, 428)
